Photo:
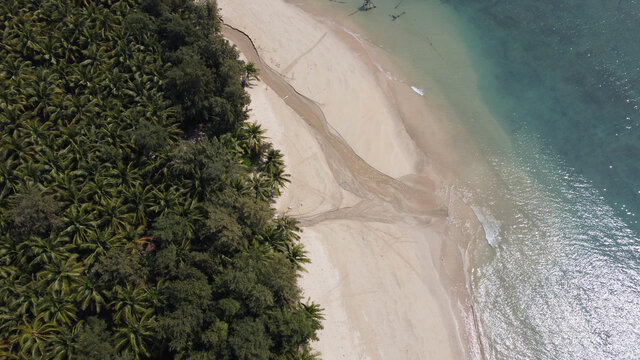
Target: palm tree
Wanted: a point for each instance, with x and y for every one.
(100, 187)
(303, 353)
(58, 309)
(273, 161)
(166, 199)
(106, 23)
(232, 143)
(182, 252)
(283, 236)
(99, 243)
(252, 136)
(15, 146)
(42, 251)
(114, 214)
(62, 275)
(131, 233)
(78, 108)
(51, 160)
(277, 180)
(89, 296)
(26, 302)
(8, 178)
(80, 223)
(130, 303)
(70, 190)
(194, 212)
(46, 94)
(261, 186)
(51, 49)
(297, 255)
(240, 186)
(133, 337)
(157, 294)
(63, 343)
(250, 71)
(127, 174)
(36, 129)
(32, 335)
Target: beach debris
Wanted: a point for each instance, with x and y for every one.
(417, 90)
(368, 5)
(395, 17)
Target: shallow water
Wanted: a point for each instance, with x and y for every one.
(550, 90)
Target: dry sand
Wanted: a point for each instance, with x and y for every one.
(383, 264)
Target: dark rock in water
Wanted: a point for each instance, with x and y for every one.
(395, 17)
(368, 5)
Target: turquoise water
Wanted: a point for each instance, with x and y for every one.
(550, 90)
(564, 280)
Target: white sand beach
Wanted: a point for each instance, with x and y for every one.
(383, 264)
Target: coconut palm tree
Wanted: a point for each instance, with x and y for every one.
(250, 71)
(140, 199)
(89, 295)
(273, 161)
(32, 336)
(114, 214)
(42, 251)
(46, 95)
(80, 223)
(99, 243)
(26, 302)
(58, 309)
(166, 199)
(252, 138)
(63, 343)
(62, 275)
(277, 180)
(135, 336)
(129, 303)
(261, 186)
(193, 211)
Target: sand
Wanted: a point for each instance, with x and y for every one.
(370, 200)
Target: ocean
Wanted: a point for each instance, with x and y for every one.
(550, 92)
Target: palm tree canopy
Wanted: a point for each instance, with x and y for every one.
(135, 220)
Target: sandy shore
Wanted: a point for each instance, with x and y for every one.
(370, 200)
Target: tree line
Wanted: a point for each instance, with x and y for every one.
(135, 217)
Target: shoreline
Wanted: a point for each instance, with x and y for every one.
(345, 200)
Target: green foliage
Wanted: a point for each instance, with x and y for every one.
(149, 137)
(120, 236)
(118, 267)
(94, 341)
(249, 340)
(33, 213)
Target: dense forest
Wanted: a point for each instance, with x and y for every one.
(135, 217)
